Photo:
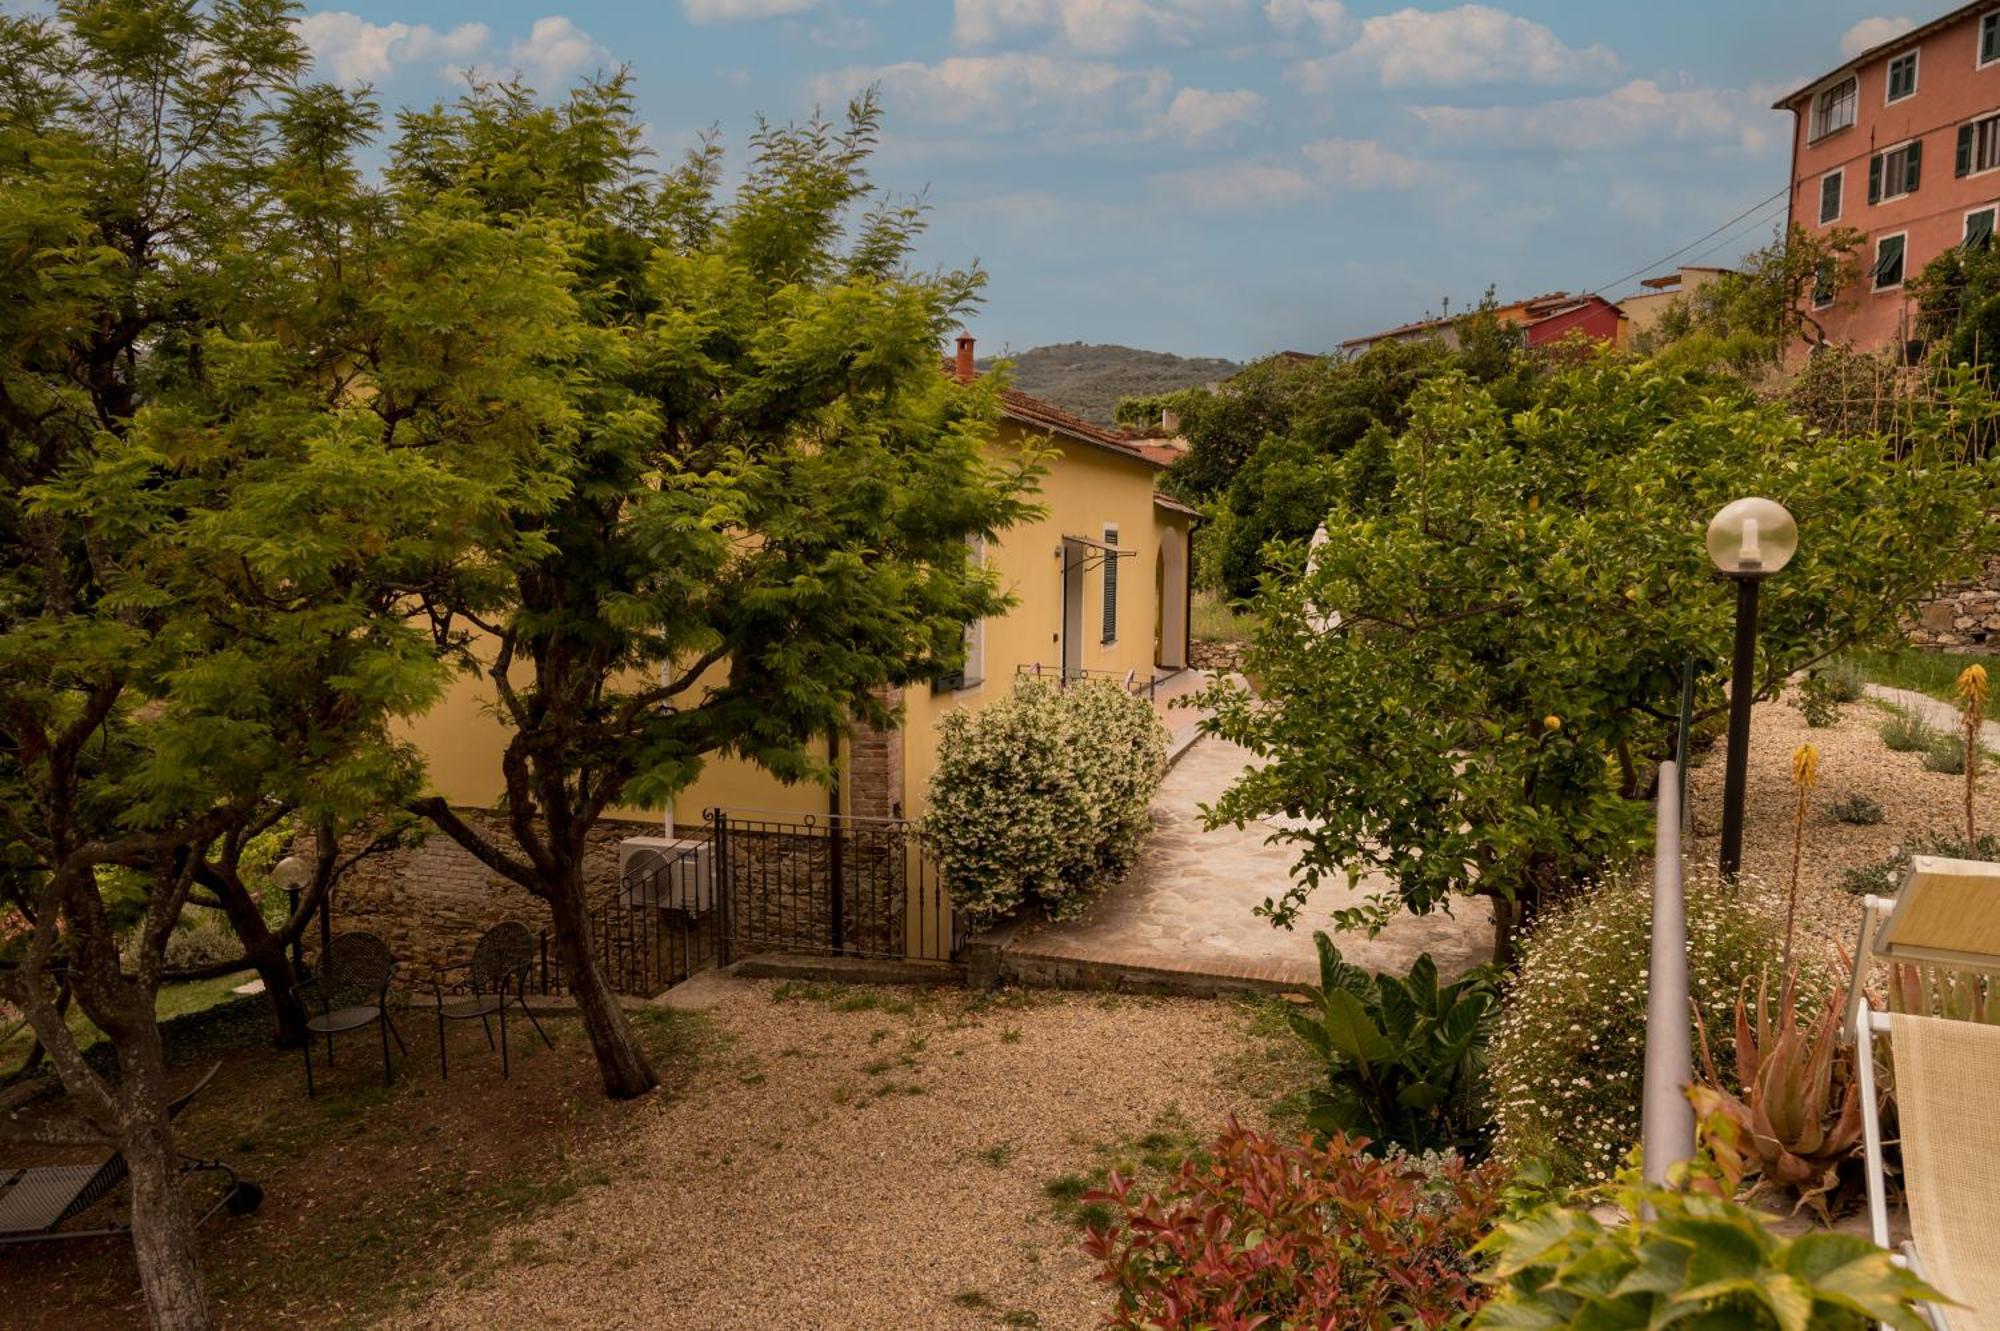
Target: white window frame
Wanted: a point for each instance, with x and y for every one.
(1966, 216)
(1976, 122)
(1814, 131)
(1838, 173)
(1916, 73)
(1904, 276)
(1885, 196)
(1980, 59)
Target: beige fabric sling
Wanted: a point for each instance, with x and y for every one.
(1948, 1108)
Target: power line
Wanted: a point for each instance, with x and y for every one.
(1661, 262)
(1761, 219)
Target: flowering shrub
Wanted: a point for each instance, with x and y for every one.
(1569, 1059)
(1261, 1233)
(1043, 797)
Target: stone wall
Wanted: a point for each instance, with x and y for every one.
(1963, 616)
(430, 902)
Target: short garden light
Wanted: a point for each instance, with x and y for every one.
(1749, 540)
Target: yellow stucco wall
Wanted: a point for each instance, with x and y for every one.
(1084, 489)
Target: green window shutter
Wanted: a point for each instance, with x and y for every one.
(1875, 179)
(1110, 587)
(1979, 229)
(1913, 166)
(1829, 197)
(1963, 166)
(1889, 262)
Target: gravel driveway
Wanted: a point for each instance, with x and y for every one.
(851, 1158)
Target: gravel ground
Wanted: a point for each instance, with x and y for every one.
(1853, 760)
(851, 1159)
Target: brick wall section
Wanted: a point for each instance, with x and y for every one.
(430, 902)
(1963, 616)
(875, 768)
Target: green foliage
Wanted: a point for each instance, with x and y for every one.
(1856, 809)
(1261, 1232)
(1945, 752)
(1958, 304)
(1405, 1056)
(1686, 1259)
(1466, 691)
(1043, 798)
(1817, 700)
(1923, 669)
(1569, 1058)
(1282, 493)
(1884, 877)
(1905, 732)
(1743, 321)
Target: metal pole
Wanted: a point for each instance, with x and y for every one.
(1741, 687)
(1667, 1132)
(298, 951)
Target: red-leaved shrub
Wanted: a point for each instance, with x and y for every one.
(1263, 1235)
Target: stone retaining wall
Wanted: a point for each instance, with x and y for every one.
(1963, 616)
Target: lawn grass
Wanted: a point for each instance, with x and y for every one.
(1920, 669)
(1214, 620)
(175, 1000)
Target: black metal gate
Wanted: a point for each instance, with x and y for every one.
(833, 886)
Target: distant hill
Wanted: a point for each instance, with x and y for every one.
(1089, 379)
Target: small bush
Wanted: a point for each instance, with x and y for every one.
(1817, 701)
(1885, 875)
(1857, 810)
(1266, 1233)
(1945, 753)
(1044, 797)
(1570, 1055)
(1845, 681)
(1904, 733)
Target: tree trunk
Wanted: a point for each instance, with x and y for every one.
(265, 950)
(1503, 931)
(620, 1061)
(163, 1238)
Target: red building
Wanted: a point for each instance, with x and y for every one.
(1903, 143)
(1592, 316)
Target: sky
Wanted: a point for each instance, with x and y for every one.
(1214, 177)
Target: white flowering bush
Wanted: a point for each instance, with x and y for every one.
(1568, 1063)
(1042, 798)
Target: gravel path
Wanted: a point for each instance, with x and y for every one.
(840, 1165)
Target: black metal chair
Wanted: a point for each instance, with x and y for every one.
(352, 990)
(503, 956)
(35, 1203)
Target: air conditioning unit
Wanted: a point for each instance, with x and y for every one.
(668, 872)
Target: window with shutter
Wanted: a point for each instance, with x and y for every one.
(1823, 289)
(1902, 77)
(1894, 173)
(1829, 197)
(1110, 586)
(1875, 180)
(1978, 229)
(1889, 262)
(1978, 146)
(1989, 38)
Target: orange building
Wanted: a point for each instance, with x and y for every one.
(1903, 143)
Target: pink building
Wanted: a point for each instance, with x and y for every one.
(1903, 143)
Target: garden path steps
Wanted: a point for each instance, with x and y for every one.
(1933, 712)
(1183, 921)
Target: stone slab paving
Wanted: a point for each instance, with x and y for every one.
(1188, 907)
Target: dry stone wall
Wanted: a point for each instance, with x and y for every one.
(1963, 616)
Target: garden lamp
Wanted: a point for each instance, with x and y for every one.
(292, 873)
(1748, 541)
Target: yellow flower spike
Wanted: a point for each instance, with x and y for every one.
(1805, 766)
(1972, 684)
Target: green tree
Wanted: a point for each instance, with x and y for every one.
(766, 497)
(1282, 493)
(1746, 320)
(1958, 304)
(1467, 690)
(207, 532)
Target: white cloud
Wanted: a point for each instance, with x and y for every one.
(1236, 186)
(1327, 19)
(554, 51)
(1635, 113)
(736, 11)
(353, 50)
(1001, 90)
(1455, 47)
(1199, 114)
(1363, 164)
(1871, 32)
(1100, 26)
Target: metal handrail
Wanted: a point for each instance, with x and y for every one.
(1667, 1132)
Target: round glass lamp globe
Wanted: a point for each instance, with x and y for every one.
(1752, 538)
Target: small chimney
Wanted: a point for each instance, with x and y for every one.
(964, 367)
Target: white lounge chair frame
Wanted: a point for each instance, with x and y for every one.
(1885, 924)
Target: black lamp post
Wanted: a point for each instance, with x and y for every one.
(1748, 541)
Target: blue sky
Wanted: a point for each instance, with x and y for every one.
(1214, 177)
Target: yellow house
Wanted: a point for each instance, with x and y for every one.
(1100, 586)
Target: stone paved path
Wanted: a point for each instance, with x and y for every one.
(1933, 712)
(1187, 909)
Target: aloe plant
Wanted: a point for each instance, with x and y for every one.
(1939, 991)
(1405, 1055)
(1797, 1119)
